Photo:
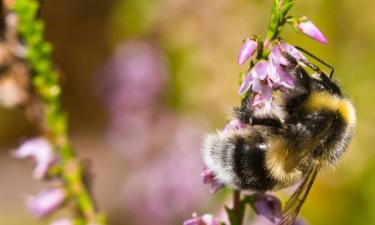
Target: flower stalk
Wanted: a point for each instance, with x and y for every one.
(277, 21)
(45, 82)
(278, 18)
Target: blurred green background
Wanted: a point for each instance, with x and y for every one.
(192, 48)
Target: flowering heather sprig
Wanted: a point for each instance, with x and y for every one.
(53, 123)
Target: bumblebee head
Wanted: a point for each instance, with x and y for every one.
(322, 83)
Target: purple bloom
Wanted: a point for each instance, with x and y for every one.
(40, 150)
(268, 206)
(209, 178)
(247, 50)
(255, 77)
(282, 79)
(277, 58)
(234, 125)
(46, 202)
(206, 219)
(308, 28)
(62, 222)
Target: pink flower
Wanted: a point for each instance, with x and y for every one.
(247, 50)
(268, 206)
(234, 125)
(308, 28)
(40, 150)
(62, 222)
(209, 178)
(261, 80)
(277, 58)
(255, 77)
(46, 202)
(206, 219)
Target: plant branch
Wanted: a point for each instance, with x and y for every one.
(45, 82)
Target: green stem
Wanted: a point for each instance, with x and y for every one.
(278, 19)
(54, 126)
(237, 207)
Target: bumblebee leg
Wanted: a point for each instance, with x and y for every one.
(312, 66)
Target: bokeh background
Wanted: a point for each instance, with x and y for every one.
(145, 79)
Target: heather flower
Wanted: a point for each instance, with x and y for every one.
(255, 78)
(261, 82)
(311, 30)
(40, 150)
(276, 57)
(46, 202)
(62, 222)
(209, 178)
(268, 206)
(206, 219)
(247, 50)
(234, 125)
(283, 79)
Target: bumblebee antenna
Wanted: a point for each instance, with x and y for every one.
(312, 66)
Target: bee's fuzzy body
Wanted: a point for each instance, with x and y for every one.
(315, 123)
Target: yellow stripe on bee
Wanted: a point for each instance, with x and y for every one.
(327, 101)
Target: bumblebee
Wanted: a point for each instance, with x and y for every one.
(309, 132)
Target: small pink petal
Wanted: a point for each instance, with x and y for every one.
(209, 178)
(46, 202)
(40, 150)
(308, 28)
(268, 206)
(247, 50)
(292, 51)
(234, 125)
(206, 219)
(260, 70)
(245, 85)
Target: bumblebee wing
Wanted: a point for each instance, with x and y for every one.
(294, 203)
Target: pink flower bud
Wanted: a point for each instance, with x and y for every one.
(40, 150)
(206, 219)
(247, 50)
(46, 202)
(308, 28)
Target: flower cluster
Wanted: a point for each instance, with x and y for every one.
(40, 151)
(268, 76)
(266, 206)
